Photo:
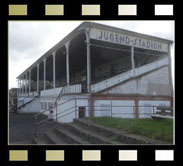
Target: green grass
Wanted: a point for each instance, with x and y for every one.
(154, 129)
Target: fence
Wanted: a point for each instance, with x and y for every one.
(73, 110)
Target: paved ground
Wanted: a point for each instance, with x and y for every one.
(21, 128)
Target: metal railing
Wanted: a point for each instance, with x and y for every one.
(98, 111)
(23, 102)
(54, 106)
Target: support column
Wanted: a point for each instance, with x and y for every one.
(29, 82)
(44, 83)
(21, 86)
(17, 87)
(38, 78)
(26, 83)
(133, 68)
(132, 59)
(67, 63)
(88, 60)
(170, 69)
(54, 54)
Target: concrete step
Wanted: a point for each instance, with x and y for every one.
(121, 136)
(92, 137)
(69, 137)
(41, 140)
(54, 138)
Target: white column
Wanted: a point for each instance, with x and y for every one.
(132, 58)
(17, 87)
(170, 69)
(44, 83)
(54, 69)
(88, 60)
(37, 78)
(26, 83)
(29, 82)
(21, 86)
(67, 63)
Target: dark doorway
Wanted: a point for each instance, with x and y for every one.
(82, 112)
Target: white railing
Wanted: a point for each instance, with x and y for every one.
(127, 75)
(72, 89)
(66, 89)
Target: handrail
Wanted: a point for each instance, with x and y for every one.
(112, 113)
(153, 106)
(23, 99)
(66, 110)
(51, 107)
(59, 96)
(55, 105)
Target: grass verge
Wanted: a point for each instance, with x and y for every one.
(154, 129)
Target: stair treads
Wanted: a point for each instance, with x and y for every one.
(54, 138)
(69, 137)
(91, 136)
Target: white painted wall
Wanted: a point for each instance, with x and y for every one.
(120, 108)
(146, 109)
(22, 101)
(67, 108)
(155, 83)
(33, 107)
(158, 78)
(126, 108)
(51, 92)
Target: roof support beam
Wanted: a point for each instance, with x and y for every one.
(44, 76)
(54, 54)
(29, 82)
(26, 83)
(67, 63)
(38, 78)
(132, 59)
(87, 32)
(170, 69)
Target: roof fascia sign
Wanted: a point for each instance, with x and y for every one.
(124, 39)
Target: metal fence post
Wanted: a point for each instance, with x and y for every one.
(35, 121)
(111, 108)
(75, 109)
(56, 112)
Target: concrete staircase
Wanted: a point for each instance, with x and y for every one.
(107, 83)
(82, 131)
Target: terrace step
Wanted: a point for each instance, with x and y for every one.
(92, 137)
(54, 138)
(122, 136)
(41, 140)
(83, 131)
(69, 137)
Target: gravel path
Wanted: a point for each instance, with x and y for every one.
(21, 128)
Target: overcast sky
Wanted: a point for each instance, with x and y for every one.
(29, 40)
